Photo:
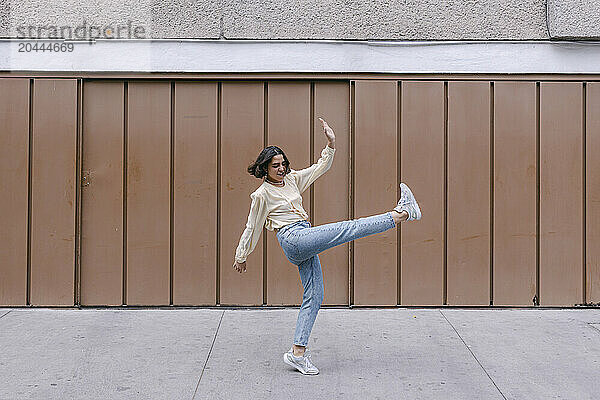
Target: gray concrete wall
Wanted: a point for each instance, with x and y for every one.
(574, 19)
(312, 19)
(388, 19)
(290, 19)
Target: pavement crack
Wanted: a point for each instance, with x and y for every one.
(6, 313)
(591, 325)
(208, 356)
(473, 354)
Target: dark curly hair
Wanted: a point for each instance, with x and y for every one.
(260, 167)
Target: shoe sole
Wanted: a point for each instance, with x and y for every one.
(412, 200)
(291, 363)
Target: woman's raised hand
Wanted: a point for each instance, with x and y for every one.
(327, 131)
(239, 267)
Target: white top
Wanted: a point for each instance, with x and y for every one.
(277, 206)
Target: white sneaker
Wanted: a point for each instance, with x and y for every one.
(408, 203)
(302, 363)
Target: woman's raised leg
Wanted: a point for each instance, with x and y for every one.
(309, 242)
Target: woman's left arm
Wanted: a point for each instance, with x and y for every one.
(328, 133)
(305, 177)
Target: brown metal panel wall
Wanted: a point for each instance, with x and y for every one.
(242, 139)
(54, 150)
(148, 192)
(468, 269)
(195, 194)
(565, 238)
(102, 194)
(561, 193)
(515, 193)
(288, 126)
(593, 193)
(422, 168)
(14, 171)
(376, 190)
(331, 191)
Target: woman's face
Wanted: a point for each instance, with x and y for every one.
(276, 169)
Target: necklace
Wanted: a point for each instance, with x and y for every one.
(282, 184)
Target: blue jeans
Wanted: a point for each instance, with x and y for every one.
(302, 243)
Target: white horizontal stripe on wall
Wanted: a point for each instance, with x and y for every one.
(303, 56)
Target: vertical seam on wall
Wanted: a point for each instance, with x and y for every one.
(29, 173)
(221, 24)
(546, 18)
(79, 165)
(445, 233)
(492, 189)
(537, 194)
(125, 149)
(218, 227)
(584, 189)
(265, 141)
(399, 175)
(171, 190)
(351, 191)
(312, 149)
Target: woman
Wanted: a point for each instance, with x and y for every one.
(277, 205)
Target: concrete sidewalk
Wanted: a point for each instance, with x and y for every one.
(428, 353)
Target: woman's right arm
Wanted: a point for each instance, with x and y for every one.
(254, 227)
